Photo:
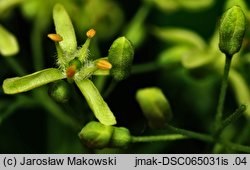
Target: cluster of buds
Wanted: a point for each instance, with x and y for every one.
(96, 135)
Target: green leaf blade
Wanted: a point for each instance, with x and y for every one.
(179, 36)
(96, 102)
(31, 81)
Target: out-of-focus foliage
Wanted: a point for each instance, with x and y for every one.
(176, 45)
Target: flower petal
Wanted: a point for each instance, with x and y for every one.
(64, 28)
(96, 102)
(31, 81)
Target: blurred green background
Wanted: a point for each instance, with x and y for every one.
(193, 95)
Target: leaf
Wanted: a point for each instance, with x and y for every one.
(180, 36)
(189, 5)
(195, 5)
(173, 56)
(96, 102)
(6, 5)
(198, 59)
(166, 5)
(31, 81)
(64, 28)
(8, 43)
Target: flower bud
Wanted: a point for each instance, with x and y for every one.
(60, 91)
(76, 62)
(8, 43)
(96, 135)
(121, 55)
(121, 137)
(232, 30)
(155, 106)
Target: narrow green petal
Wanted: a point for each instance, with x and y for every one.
(8, 43)
(64, 28)
(100, 72)
(96, 102)
(31, 81)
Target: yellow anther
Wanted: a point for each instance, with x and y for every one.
(90, 33)
(103, 64)
(55, 37)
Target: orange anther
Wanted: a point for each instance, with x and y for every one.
(55, 37)
(103, 64)
(90, 33)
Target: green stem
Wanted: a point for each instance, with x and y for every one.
(55, 110)
(36, 43)
(15, 66)
(191, 134)
(219, 112)
(184, 134)
(20, 102)
(233, 117)
(40, 25)
(135, 31)
(237, 147)
(243, 137)
(170, 137)
(100, 82)
(145, 67)
(110, 88)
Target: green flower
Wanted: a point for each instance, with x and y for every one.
(73, 65)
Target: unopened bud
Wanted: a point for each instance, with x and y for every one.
(60, 91)
(96, 135)
(121, 54)
(155, 106)
(232, 30)
(121, 137)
